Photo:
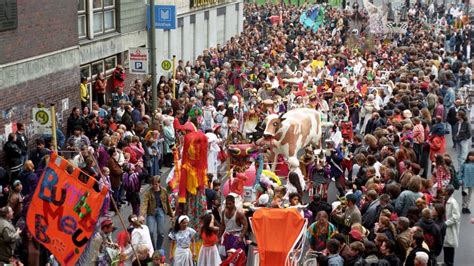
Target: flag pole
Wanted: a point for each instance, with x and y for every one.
(53, 128)
(117, 211)
(174, 76)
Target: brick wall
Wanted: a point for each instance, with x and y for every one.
(43, 26)
(19, 100)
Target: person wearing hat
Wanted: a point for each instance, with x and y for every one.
(101, 241)
(182, 237)
(334, 157)
(349, 216)
(235, 136)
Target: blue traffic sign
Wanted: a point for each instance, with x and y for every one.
(165, 17)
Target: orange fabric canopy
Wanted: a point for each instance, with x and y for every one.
(276, 230)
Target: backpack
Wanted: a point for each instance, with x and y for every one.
(131, 182)
(454, 178)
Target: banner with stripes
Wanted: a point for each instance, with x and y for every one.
(396, 27)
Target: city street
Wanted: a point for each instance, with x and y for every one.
(464, 254)
(114, 87)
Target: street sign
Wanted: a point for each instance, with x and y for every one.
(165, 17)
(42, 120)
(138, 58)
(166, 65)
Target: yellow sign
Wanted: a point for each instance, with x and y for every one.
(42, 120)
(166, 65)
(42, 117)
(202, 3)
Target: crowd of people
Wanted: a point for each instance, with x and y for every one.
(388, 107)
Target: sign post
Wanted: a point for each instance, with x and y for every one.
(53, 128)
(174, 76)
(158, 17)
(138, 60)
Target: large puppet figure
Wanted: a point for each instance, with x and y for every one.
(193, 176)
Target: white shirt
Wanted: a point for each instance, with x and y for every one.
(141, 236)
(377, 168)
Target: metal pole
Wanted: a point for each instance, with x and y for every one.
(53, 128)
(174, 76)
(152, 37)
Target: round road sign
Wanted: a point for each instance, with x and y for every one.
(166, 65)
(42, 117)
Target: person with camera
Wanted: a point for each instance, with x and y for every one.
(118, 77)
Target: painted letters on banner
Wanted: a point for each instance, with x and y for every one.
(63, 212)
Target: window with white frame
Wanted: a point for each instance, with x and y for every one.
(96, 17)
(81, 19)
(92, 70)
(106, 66)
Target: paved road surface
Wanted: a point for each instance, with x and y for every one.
(126, 210)
(464, 254)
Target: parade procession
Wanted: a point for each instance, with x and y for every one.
(236, 133)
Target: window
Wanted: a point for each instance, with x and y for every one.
(110, 64)
(221, 11)
(180, 22)
(106, 66)
(81, 19)
(206, 15)
(96, 17)
(104, 16)
(237, 7)
(92, 70)
(192, 19)
(86, 71)
(97, 68)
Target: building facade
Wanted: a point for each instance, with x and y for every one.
(47, 45)
(200, 24)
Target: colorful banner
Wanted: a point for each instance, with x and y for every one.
(394, 27)
(63, 212)
(313, 18)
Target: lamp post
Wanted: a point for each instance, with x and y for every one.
(152, 38)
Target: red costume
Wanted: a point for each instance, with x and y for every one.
(193, 165)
